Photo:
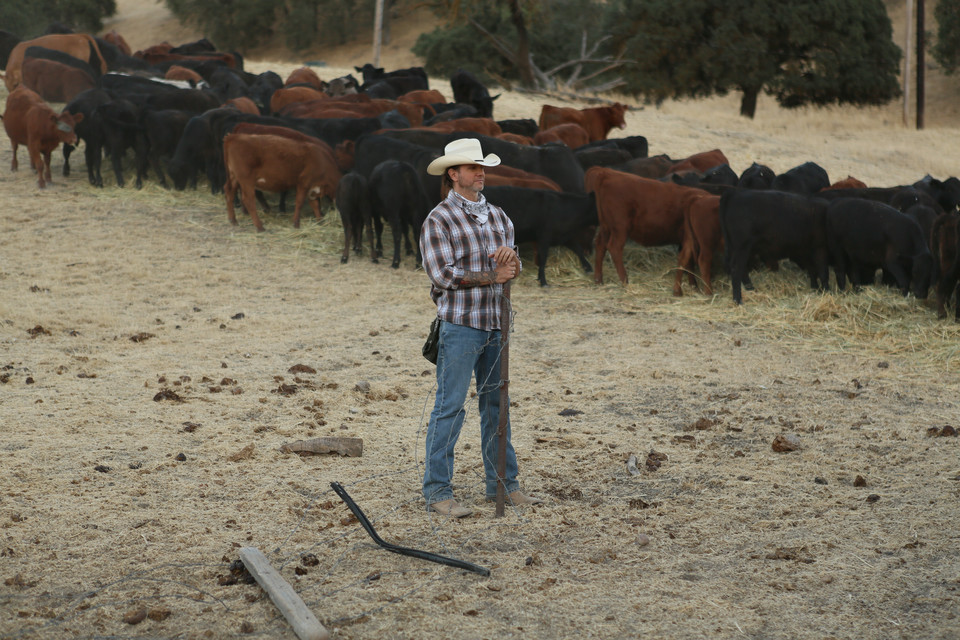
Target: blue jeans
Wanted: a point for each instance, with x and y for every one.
(465, 351)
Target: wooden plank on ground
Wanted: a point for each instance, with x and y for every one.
(352, 447)
(304, 623)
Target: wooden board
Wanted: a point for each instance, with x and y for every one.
(296, 612)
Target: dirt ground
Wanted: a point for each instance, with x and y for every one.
(154, 359)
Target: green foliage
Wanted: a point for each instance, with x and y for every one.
(947, 49)
(303, 24)
(817, 52)
(555, 29)
(29, 18)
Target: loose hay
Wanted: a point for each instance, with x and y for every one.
(114, 504)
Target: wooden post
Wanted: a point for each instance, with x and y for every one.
(920, 63)
(377, 32)
(504, 400)
(304, 623)
(907, 59)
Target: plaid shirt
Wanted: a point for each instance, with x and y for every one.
(452, 242)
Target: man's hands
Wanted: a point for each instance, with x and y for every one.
(508, 264)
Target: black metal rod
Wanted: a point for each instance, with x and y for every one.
(416, 553)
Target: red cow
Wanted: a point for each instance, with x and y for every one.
(156, 58)
(504, 176)
(702, 240)
(847, 183)
(295, 95)
(423, 96)
(371, 109)
(183, 74)
(700, 162)
(597, 121)
(305, 75)
(55, 81)
(30, 121)
(516, 138)
(243, 104)
(291, 134)
(79, 45)
(275, 163)
(118, 41)
(570, 134)
(648, 212)
(483, 126)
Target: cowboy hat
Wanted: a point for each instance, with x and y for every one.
(462, 151)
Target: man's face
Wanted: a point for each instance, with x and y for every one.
(469, 177)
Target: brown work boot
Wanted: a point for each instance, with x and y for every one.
(518, 497)
(450, 508)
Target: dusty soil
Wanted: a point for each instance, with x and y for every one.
(153, 360)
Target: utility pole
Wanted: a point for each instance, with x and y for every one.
(377, 32)
(920, 63)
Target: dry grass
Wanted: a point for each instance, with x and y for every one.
(98, 517)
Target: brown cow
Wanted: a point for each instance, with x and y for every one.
(700, 162)
(423, 96)
(243, 104)
(295, 95)
(847, 183)
(157, 58)
(570, 134)
(653, 167)
(30, 121)
(702, 240)
(483, 126)
(79, 45)
(291, 134)
(55, 81)
(183, 74)
(118, 41)
(305, 75)
(515, 138)
(371, 109)
(275, 163)
(597, 121)
(504, 176)
(648, 212)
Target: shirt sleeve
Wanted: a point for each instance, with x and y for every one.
(439, 260)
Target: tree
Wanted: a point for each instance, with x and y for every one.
(303, 24)
(30, 19)
(947, 49)
(817, 52)
(528, 41)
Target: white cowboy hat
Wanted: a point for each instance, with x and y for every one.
(462, 151)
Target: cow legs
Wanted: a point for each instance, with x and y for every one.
(14, 165)
(230, 194)
(603, 235)
(684, 263)
(739, 263)
(250, 204)
(67, 150)
(397, 232)
(543, 250)
(298, 205)
(705, 262)
(615, 245)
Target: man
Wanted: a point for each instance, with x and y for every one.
(468, 253)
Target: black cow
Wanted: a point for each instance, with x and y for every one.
(772, 225)
(556, 161)
(353, 203)
(601, 156)
(371, 150)
(449, 111)
(262, 87)
(946, 252)
(197, 151)
(158, 137)
(371, 74)
(397, 195)
(715, 180)
(90, 131)
(520, 126)
(7, 42)
(548, 219)
(946, 192)
(468, 89)
(863, 236)
(118, 120)
(200, 46)
(117, 60)
(807, 178)
(756, 176)
(636, 146)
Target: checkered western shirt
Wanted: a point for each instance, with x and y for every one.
(453, 241)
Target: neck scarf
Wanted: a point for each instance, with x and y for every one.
(478, 210)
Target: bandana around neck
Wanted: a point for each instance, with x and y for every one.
(477, 209)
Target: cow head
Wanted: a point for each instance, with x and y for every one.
(64, 124)
(617, 112)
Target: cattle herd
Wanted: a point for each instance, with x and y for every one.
(191, 111)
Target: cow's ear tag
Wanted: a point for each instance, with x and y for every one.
(63, 126)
